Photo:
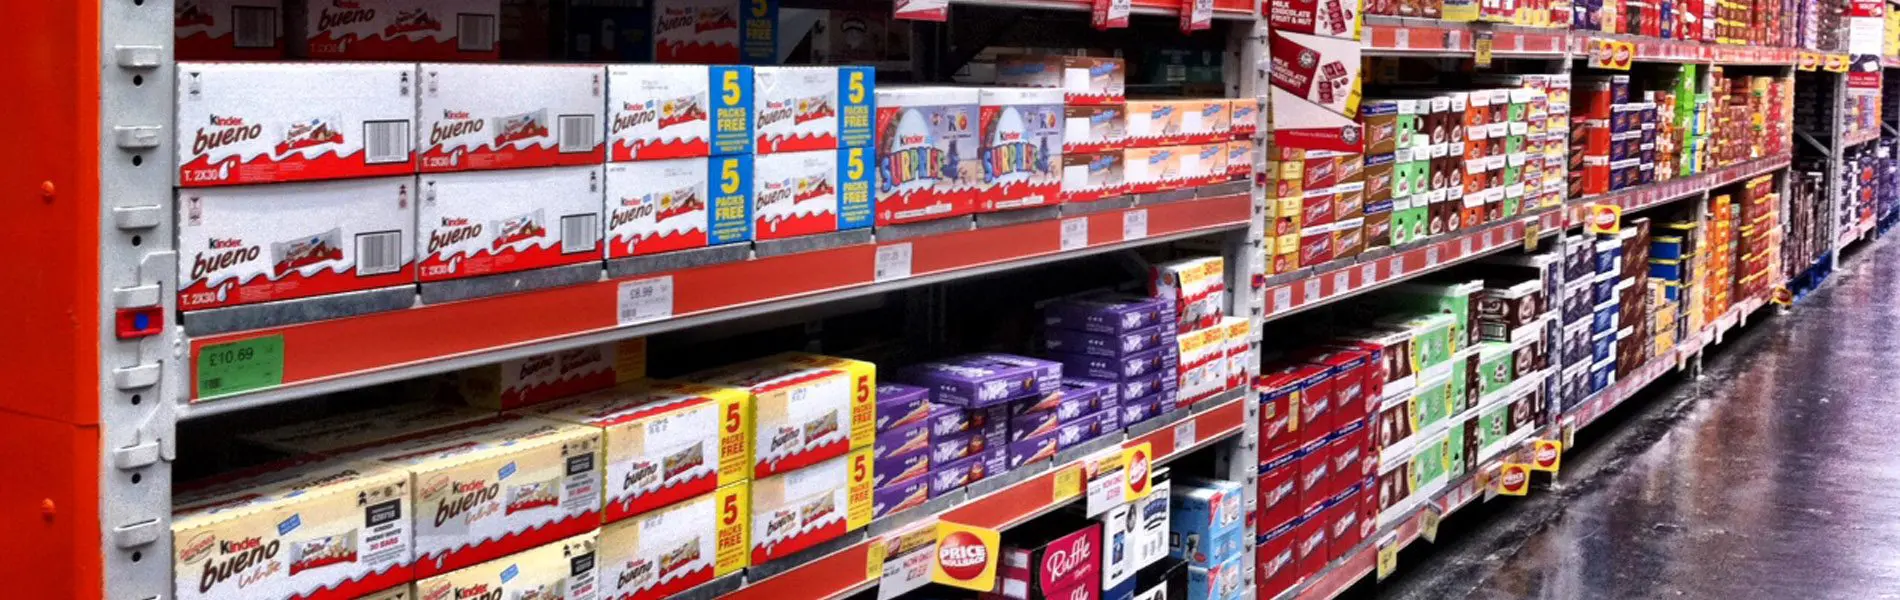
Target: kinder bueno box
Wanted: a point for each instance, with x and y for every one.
(899, 497)
(476, 117)
(542, 377)
(244, 123)
(458, 30)
(562, 569)
(899, 405)
(666, 205)
(982, 380)
(1021, 148)
(227, 29)
(492, 488)
(250, 244)
(806, 408)
(325, 529)
(657, 112)
(812, 108)
(669, 551)
(1084, 80)
(1197, 287)
(696, 31)
(1058, 557)
(928, 161)
(1093, 128)
(803, 193)
(797, 509)
(1091, 176)
(473, 224)
(664, 441)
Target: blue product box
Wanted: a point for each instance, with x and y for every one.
(1603, 290)
(1602, 376)
(1207, 520)
(856, 179)
(857, 108)
(1665, 248)
(1609, 259)
(1602, 346)
(732, 114)
(1604, 319)
(1219, 582)
(729, 186)
(1666, 269)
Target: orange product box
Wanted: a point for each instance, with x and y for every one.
(1283, 263)
(1349, 238)
(1243, 115)
(566, 568)
(1207, 121)
(797, 509)
(1239, 159)
(1154, 169)
(1154, 123)
(1349, 201)
(491, 488)
(664, 441)
(671, 550)
(311, 529)
(1349, 168)
(805, 408)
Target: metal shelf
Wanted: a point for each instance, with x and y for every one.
(1411, 36)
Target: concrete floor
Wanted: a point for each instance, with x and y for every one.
(1776, 475)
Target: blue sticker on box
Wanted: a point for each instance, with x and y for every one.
(729, 183)
(731, 100)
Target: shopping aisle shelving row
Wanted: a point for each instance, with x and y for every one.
(1656, 194)
(1411, 36)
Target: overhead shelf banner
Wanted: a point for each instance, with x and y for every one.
(1313, 64)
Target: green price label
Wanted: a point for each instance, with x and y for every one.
(241, 366)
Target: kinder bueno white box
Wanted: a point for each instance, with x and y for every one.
(806, 408)
(669, 551)
(542, 377)
(806, 108)
(1091, 176)
(249, 244)
(327, 529)
(1022, 148)
(696, 31)
(657, 112)
(802, 193)
(665, 205)
(227, 29)
(461, 30)
(1082, 79)
(664, 441)
(484, 223)
(492, 488)
(476, 117)
(927, 157)
(795, 510)
(565, 569)
(243, 123)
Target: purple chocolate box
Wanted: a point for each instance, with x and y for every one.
(899, 405)
(891, 471)
(1070, 341)
(1119, 369)
(951, 476)
(1110, 313)
(908, 439)
(903, 496)
(1108, 422)
(979, 380)
(960, 445)
(1139, 387)
(1034, 424)
(1078, 431)
(949, 420)
(1077, 396)
(1033, 449)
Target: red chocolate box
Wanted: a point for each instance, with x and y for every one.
(1278, 502)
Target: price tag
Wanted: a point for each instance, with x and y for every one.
(893, 262)
(1075, 233)
(240, 366)
(1464, 247)
(1184, 435)
(1481, 48)
(1402, 38)
(1431, 257)
(1369, 273)
(1453, 39)
(1312, 290)
(1068, 483)
(1428, 523)
(645, 300)
(1342, 281)
(1135, 224)
(874, 560)
(1533, 231)
(1394, 266)
(922, 10)
(1282, 298)
(1388, 555)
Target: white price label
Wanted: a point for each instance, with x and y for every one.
(1393, 267)
(893, 262)
(1312, 289)
(1135, 224)
(1342, 281)
(1104, 492)
(1402, 38)
(1431, 256)
(1369, 273)
(1075, 233)
(1453, 38)
(905, 573)
(1464, 247)
(1184, 435)
(1282, 298)
(645, 300)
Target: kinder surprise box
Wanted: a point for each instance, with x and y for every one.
(475, 117)
(803, 193)
(561, 569)
(657, 112)
(927, 160)
(493, 488)
(242, 245)
(244, 123)
(1022, 147)
(795, 510)
(812, 108)
(805, 408)
(668, 552)
(665, 441)
(1082, 79)
(227, 29)
(472, 224)
(542, 377)
(696, 31)
(311, 530)
(665, 205)
(396, 29)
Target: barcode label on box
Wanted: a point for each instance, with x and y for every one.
(253, 26)
(474, 33)
(580, 233)
(577, 133)
(378, 253)
(386, 142)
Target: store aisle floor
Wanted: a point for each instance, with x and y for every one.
(1777, 475)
